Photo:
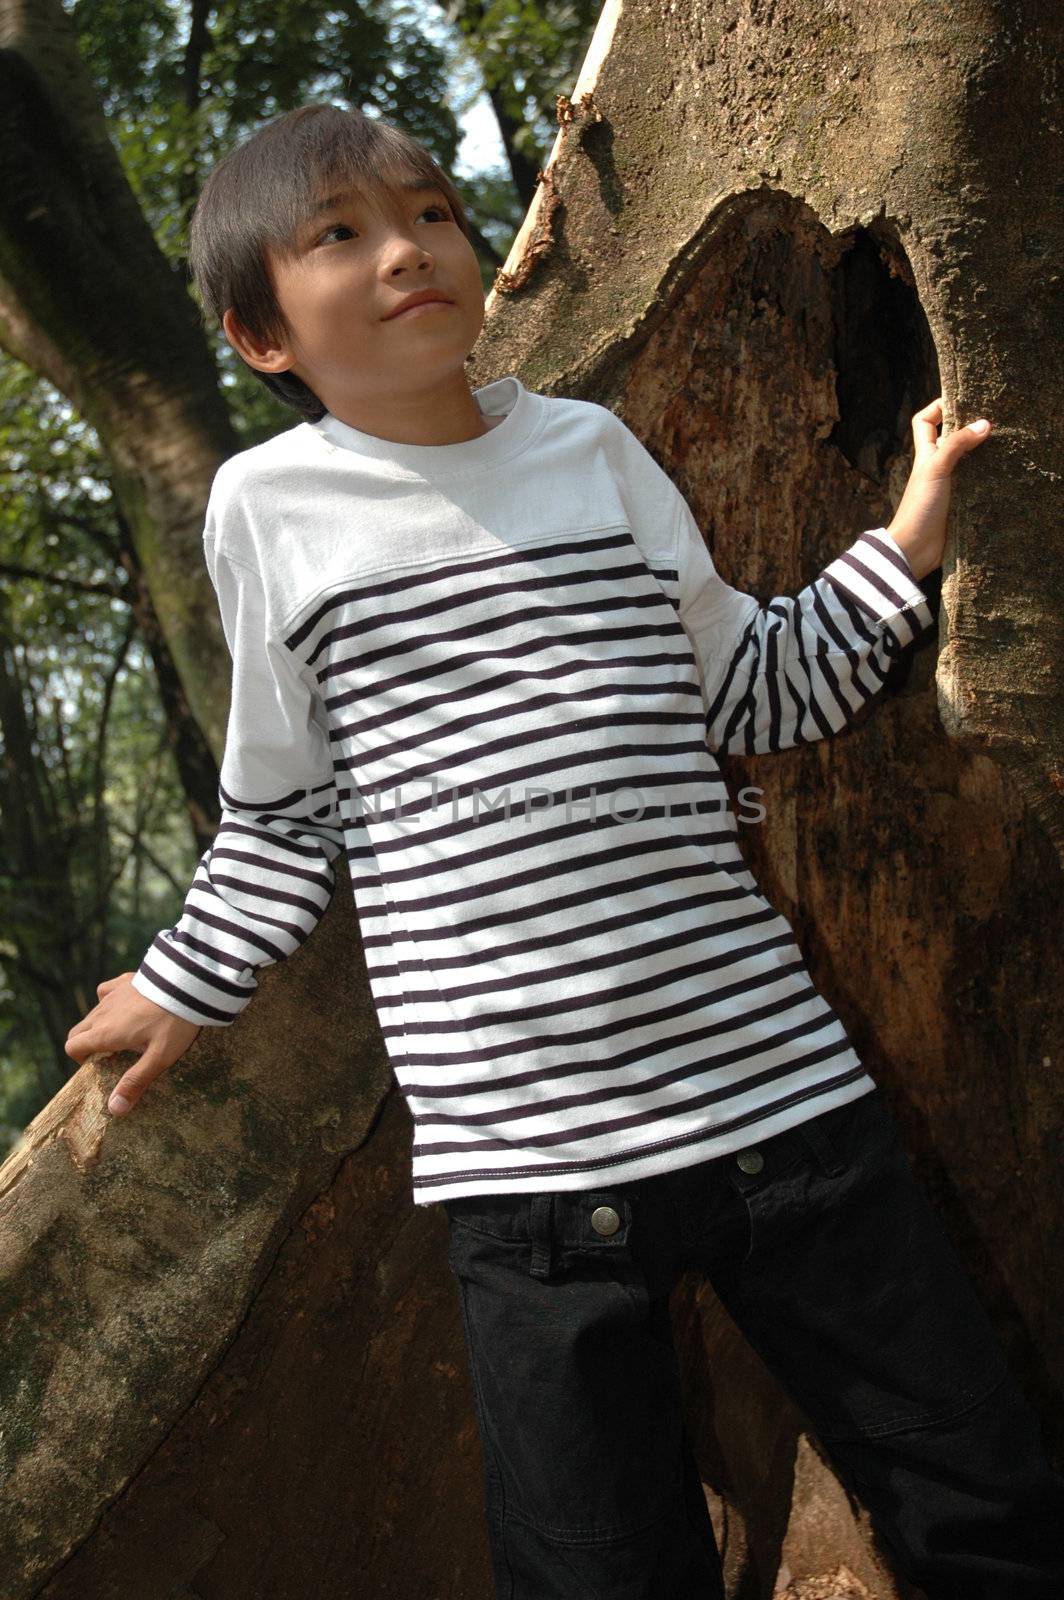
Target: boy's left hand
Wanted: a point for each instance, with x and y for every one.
(919, 524)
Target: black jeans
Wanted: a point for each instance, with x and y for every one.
(830, 1259)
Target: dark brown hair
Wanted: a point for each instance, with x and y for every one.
(261, 194)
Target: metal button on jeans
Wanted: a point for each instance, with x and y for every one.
(605, 1220)
(750, 1160)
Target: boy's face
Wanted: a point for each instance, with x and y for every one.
(356, 262)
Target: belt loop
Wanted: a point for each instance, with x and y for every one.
(822, 1146)
(541, 1218)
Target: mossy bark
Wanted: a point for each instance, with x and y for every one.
(135, 1264)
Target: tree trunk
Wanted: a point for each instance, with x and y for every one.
(209, 1311)
(234, 1362)
(770, 231)
(89, 301)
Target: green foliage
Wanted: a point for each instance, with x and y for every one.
(258, 59)
(65, 622)
(528, 53)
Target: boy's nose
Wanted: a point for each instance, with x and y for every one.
(400, 243)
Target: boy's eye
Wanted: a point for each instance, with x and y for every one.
(334, 227)
(442, 210)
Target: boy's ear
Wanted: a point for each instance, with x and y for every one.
(264, 354)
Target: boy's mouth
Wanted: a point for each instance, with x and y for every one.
(414, 302)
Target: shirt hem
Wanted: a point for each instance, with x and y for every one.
(624, 1169)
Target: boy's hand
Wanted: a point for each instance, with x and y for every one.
(128, 1020)
(919, 524)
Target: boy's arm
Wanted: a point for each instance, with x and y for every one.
(796, 668)
(262, 886)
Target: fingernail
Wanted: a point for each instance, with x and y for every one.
(119, 1105)
(981, 426)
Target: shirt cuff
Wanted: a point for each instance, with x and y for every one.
(160, 979)
(874, 575)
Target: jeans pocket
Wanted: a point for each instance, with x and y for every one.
(788, 1184)
(502, 1216)
(853, 1293)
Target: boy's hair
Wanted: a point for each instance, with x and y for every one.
(262, 192)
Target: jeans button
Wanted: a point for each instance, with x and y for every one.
(605, 1220)
(750, 1160)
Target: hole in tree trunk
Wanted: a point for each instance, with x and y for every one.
(778, 388)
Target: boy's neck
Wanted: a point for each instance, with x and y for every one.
(446, 416)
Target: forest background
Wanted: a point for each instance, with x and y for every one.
(108, 788)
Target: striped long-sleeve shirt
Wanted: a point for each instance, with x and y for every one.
(495, 674)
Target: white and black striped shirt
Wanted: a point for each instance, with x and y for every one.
(494, 674)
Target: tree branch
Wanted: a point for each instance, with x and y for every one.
(57, 580)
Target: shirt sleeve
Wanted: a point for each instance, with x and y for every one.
(264, 883)
(799, 668)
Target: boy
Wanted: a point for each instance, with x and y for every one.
(437, 600)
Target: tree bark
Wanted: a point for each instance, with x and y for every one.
(214, 1280)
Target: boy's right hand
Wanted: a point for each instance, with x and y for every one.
(127, 1020)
